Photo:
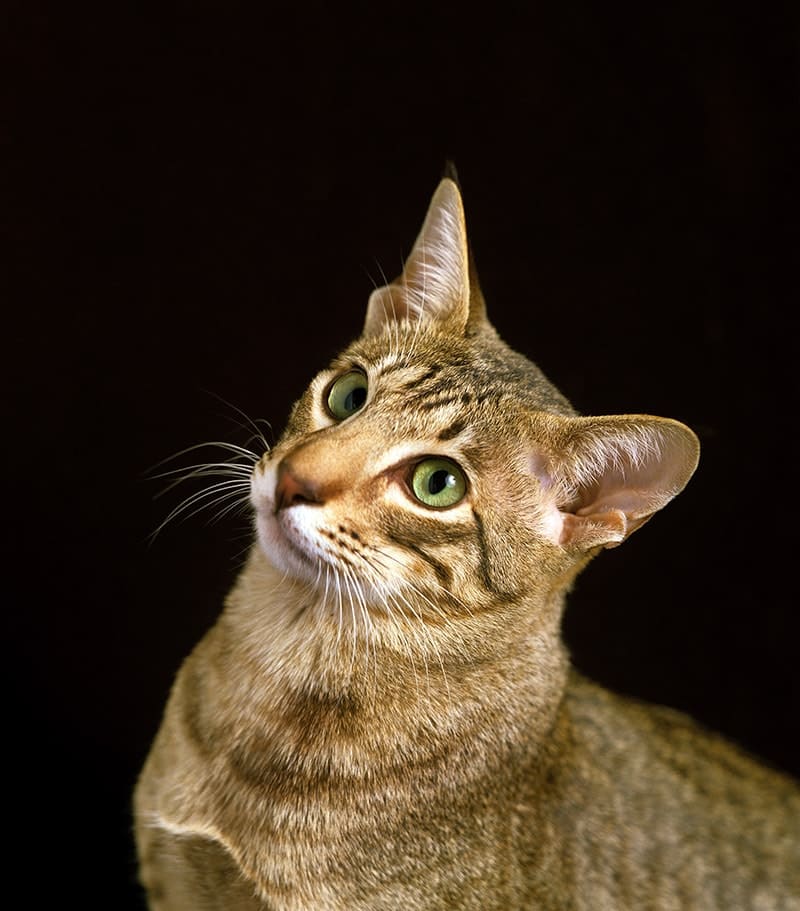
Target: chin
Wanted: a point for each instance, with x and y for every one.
(283, 553)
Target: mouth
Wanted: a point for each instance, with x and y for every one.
(288, 546)
(298, 544)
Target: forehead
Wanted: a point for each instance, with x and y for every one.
(475, 370)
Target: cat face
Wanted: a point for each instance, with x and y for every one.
(398, 476)
(431, 469)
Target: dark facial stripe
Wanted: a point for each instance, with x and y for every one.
(452, 431)
(394, 366)
(432, 531)
(443, 573)
(485, 565)
(413, 385)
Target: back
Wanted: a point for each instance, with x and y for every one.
(655, 812)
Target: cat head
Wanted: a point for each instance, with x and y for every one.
(433, 467)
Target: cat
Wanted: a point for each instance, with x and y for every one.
(384, 716)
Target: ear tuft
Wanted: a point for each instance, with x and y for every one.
(451, 172)
(434, 284)
(610, 475)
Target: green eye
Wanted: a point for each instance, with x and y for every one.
(347, 394)
(438, 483)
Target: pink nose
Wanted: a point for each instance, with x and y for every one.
(291, 489)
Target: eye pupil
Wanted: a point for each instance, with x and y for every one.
(355, 399)
(439, 480)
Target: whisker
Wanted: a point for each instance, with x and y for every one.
(445, 591)
(417, 591)
(240, 506)
(325, 602)
(211, 470)
(218, 444)
(338, 592)
(355, 629)
(189, 471)
(368, 624)
(417, 630)
(248, 420)
(215, 494)
(377, 582)
(224, 497)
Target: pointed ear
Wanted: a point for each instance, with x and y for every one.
(434, 284)
(606, 476)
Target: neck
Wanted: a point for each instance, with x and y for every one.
(277, 708)
(345, 692)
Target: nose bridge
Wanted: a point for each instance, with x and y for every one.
(328, 462)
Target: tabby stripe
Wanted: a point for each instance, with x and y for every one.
(485, 563)
(452, 431)
(443, 573)
(435, 531)
(394, 366)
(429, 375)
(443, 386)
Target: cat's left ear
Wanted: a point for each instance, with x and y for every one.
(435, 282)
(604, 477)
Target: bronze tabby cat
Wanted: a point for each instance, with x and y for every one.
(384, 716)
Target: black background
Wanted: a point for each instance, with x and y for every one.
(197, 199)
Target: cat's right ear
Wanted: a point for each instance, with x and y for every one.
(435, 282)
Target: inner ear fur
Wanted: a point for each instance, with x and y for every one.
(435, 282)
(604, 477)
